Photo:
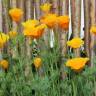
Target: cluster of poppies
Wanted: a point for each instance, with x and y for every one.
(34, 29)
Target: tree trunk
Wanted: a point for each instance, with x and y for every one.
(6, 21)
(46, 30)
(1, 12)
(64, 10)
(22, 47)
(37, 16)
(55, 6)
(87, 26)
(76, 20)
(28, 49)
(55, 9)
(5, 16)
(28, 16)
(13, 4)
(93, 38)
(1, 27)
(20, 4)
(37, 9)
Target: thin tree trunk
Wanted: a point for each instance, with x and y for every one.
(46, 30)
(55, 6)
(1, 12)
(76, 20)
(6, 21)
(93, 38)
(64, 10)
(5, 16)
(13, 4)
(37, 9)
(20, 4)
(1, 22)
(28, 16)
(55, 9)
(37, 16)
(28, 49)
(87, 26)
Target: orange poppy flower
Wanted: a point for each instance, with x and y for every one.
(77, 64)
(30, 23)
(75, 42)
(35, 32)
(46, 7)
(49, 20)
(3, 39)
(16, 14)
(40, 29)
(63, 22)
(37, 62)
(30, 33)
(93, 30)
(4, 64)
(12, 34)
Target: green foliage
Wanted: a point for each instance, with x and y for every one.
(14, 82)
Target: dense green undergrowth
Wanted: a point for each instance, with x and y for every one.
(46, 81)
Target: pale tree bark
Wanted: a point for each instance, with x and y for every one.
(87, 27)
(37, 16)
(28, 49)
(28, 16)
(46, 30)
(20, 4)
(1, 22)
(37, 9)
(1, 12)
(76, 20)
(6, 20)
(13, 4)
(55, 6)
(55, 33)
(5, 16)
(14, 52)
(64, 10)
(93, 38)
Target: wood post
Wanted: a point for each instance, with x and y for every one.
(76, 20)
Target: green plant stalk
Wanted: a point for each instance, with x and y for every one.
(74, 89)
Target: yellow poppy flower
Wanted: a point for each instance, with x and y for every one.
(75, 42)
(4, 64)
(46, 7)
(77, 64)
(40, 29)
(16, 14)
(37, 62)
(49, 20)
(3, 39)
(63, 22)
(12, 34)
(30, 23)
(31, 33)
(93, 30)
(35, 32)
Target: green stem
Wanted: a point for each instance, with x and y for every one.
(74, 88)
